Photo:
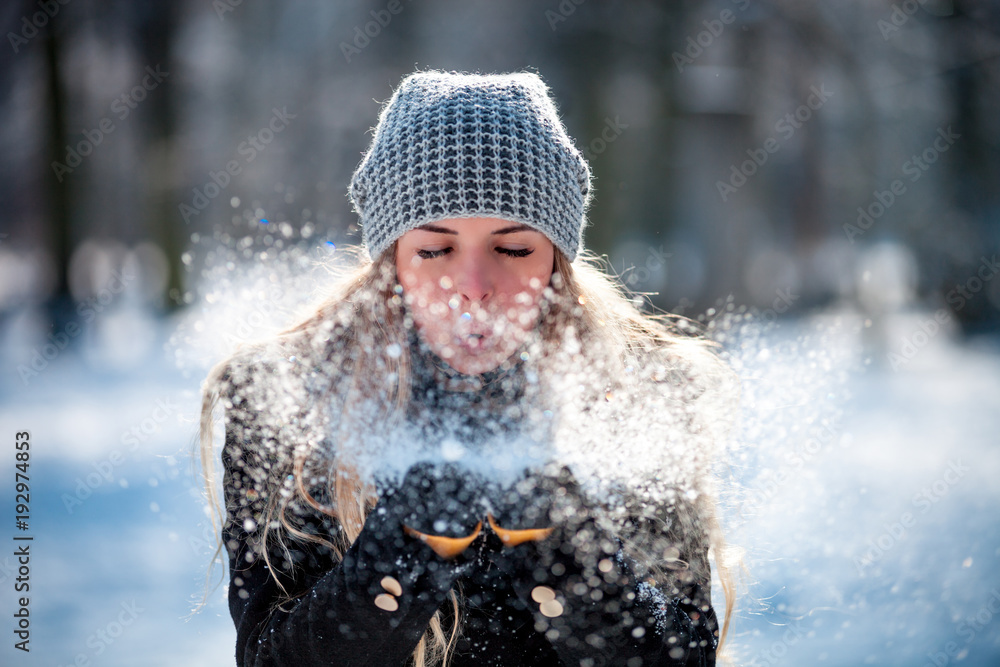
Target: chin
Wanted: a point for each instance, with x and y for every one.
(473, 361)
(474, 364)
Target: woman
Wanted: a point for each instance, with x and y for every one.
(460, 457)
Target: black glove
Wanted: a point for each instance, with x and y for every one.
(545, 519)
(571, 571)
(440, 504)
(414, 535)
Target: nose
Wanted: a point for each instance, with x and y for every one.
(473, 280)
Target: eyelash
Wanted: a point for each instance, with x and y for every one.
(431, 254)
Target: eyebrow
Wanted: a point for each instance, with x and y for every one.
(505, 230)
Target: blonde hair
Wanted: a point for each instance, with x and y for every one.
(363, 317)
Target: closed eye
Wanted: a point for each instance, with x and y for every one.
(430, 254)
(512, 252)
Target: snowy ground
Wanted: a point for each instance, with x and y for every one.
(875, 539)
(870, 539)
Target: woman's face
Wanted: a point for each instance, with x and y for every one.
(472, 286)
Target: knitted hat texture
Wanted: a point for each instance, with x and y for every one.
(459, 145)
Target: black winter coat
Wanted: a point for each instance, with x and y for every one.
(331, 619)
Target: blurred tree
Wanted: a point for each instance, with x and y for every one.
(154, 27)
(60, 306)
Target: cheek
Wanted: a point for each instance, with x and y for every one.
(419, 282)
(408, 275)
(535, 281)
(427, 304)
(423, 291)
(542, 269)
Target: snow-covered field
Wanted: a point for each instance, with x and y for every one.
(875, 538)
(868, 511)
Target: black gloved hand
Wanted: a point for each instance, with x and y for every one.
(414, 535)
(545, 518)
(574, 576)
(440, 504)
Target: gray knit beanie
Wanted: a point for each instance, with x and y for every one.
(458, 145)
